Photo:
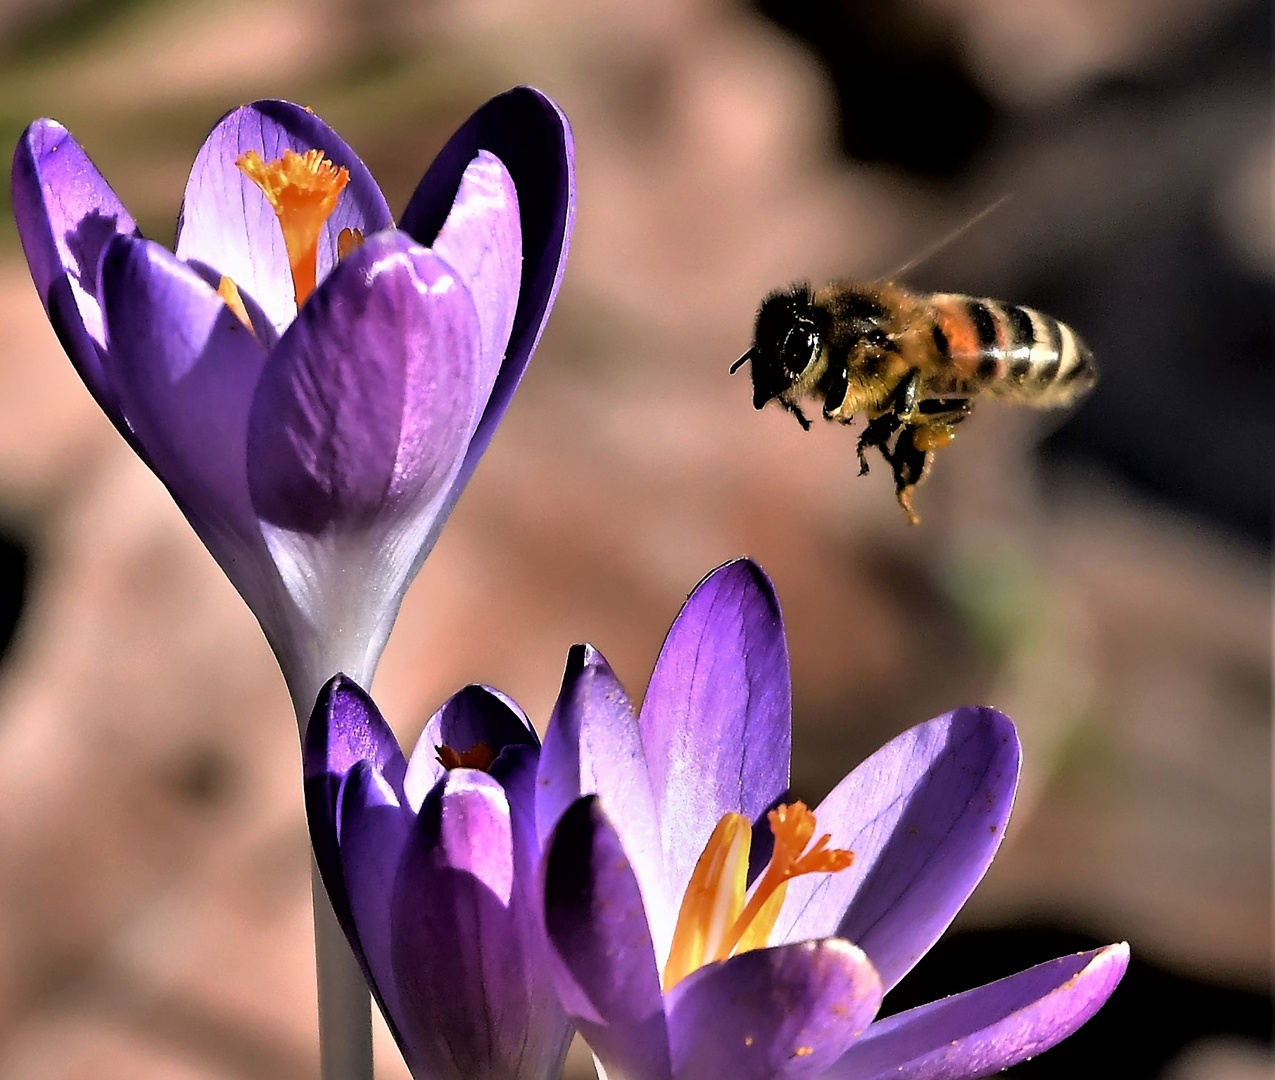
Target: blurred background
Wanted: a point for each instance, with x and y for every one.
(1103, 577)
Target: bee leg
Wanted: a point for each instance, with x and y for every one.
(903, 400)
(948, 410)
(901, 404)
(835, 396)
(796, 411)
(910, 462)
(877, 434)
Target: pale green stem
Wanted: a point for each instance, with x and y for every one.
(345, 1007)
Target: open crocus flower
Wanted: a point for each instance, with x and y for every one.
(698, 934)
(431, 867)
(313, 384)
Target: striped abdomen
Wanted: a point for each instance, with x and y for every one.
(987, 347)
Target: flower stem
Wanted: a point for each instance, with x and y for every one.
(345, 1007)
(345, 1004)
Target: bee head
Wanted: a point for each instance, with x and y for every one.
(786, 342)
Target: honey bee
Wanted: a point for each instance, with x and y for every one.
(912, 363)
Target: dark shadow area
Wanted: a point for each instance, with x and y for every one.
(903, 95)
(1150, 1018)
(1184, 409)
(15, 565)
(87, 241)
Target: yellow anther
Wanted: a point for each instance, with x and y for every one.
(714, 922)
(713, 900)
(479, 756)
(229, 292)
(303, 190)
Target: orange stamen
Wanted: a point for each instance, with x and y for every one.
(713, 900)
(229, 292)
(792, 826)
(303, 190)
(479, 756)
(714, 922)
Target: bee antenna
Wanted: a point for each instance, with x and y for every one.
(742, 360)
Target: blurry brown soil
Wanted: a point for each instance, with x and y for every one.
(154, 905)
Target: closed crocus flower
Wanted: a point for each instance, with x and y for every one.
(704, 927)
(313, 384)
(431, 864)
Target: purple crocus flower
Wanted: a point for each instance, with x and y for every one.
(430, 865)
(313, 384)
(654, 825)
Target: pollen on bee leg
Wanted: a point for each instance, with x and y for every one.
(229, 292)
(932, 436)
(303, 190)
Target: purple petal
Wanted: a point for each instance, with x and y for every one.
(785, 1013)
(717, 720)
(475, 998)
(374, 831)
(481, 241)
(226, 222)
(923, 815)
(66, 215)
(476, 714)
(368, 401)
(528, 133)
(516, 771)
(604, 969)
(345, 728)
(184, 368)
(593, 746)
(982, 1031)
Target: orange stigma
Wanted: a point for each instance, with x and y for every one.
(303, 190)
(479, 756)
(715, 921)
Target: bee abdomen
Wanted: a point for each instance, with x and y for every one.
(985, 346)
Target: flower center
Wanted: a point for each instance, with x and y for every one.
(479, 756)
(717, 918)
(303, 190)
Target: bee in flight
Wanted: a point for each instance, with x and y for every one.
(912, 363)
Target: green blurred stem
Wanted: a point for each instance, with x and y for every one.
(345, 1007)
